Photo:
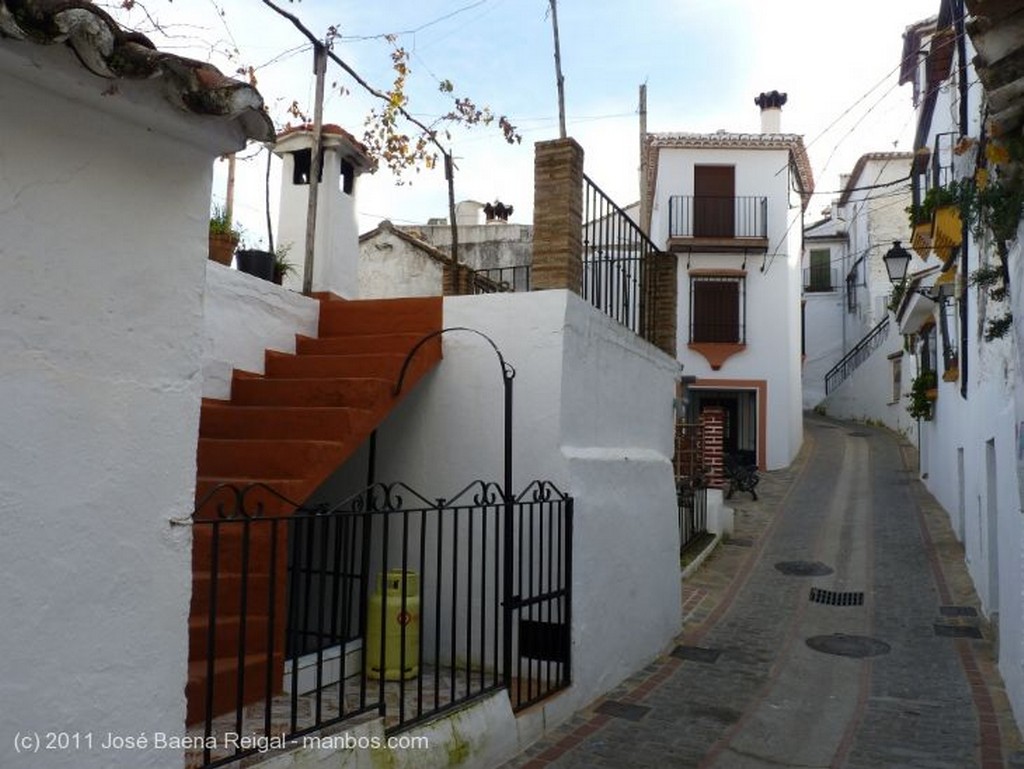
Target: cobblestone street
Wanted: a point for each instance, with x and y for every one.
(837, 628)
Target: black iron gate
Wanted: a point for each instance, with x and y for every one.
(388, 602)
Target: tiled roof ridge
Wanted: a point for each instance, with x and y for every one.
(109, 51)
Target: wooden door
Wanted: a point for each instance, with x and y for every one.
(714, 190)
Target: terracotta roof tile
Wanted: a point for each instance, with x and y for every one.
(109, 51)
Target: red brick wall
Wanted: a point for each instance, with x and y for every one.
(712, 420)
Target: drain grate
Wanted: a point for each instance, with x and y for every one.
(957, 631)
(848, 645)
(803, 568)
(623, 710)
(740, 542)
(958, 611)
(836, 597)
(859, 435)
(696, 654)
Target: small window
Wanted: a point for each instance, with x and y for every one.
(851, 291)
(819, 274)
(301, 169)
(717, 311)
(929, 349)
(347, 181)
(897, 377)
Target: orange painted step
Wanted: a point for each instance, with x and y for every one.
(347, 345)
(239, 458)
(376, 365)
(229, 591)
(225, 683)
(380, 316)
(357, 392)
(227, 635)
(225, 420)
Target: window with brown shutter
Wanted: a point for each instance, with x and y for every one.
(716, 309)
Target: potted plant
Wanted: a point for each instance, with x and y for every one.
(257, 262)
(282, 266)
(923, 391)
(223, 238)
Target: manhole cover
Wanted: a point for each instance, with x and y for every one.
(836, 597)
(848, 645)
(803, 568)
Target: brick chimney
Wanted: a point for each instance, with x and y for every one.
(771, 103)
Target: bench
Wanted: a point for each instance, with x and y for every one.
(741, 472)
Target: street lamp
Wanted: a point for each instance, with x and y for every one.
(896, 261)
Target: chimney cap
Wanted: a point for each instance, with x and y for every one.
(770, 100)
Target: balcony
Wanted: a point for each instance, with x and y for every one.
(710, 223)
(817, 280)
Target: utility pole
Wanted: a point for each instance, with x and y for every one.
(558, 71)
(320, 69)
(645, 214)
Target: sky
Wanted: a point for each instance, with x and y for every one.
(703, 62)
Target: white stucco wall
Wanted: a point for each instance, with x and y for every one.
(243, 317)
(593, 414)
(336, 245)
(867, 394)
(772, 296)
(482, 246)
(104, 247)
(391, 267)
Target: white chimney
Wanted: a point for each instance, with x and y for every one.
(771, 103)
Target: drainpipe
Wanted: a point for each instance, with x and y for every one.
(961, 54)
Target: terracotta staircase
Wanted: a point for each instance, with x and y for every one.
(290, 429)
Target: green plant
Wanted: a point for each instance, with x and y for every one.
(997, 327)
(897, 296)
(220, 223)
(282, 266)
(920, 403)
(989, 277)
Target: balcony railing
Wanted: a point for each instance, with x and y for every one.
(707, 216)
(820, 280)
(619, 263)
(501, 279)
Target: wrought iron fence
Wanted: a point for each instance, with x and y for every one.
(691, 490)
(501, 279)
(820, 279)
(709, 216)
(619, 263)
(388, 602)
(860, 353)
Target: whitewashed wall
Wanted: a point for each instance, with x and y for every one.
(772, 297)
(482, 246)
(104, 248)
(593, 414)
(336, 245)
(244, 316)
(867, 394)
(391, 267)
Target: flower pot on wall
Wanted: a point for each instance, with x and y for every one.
(222, 247)
(257, 263)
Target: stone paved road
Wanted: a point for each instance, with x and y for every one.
(744, 690)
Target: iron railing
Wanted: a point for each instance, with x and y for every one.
(860, 353)
(709, 216)
(818, 279)
(691, 491)
(501, 279)
(388, 602)
(619, 263)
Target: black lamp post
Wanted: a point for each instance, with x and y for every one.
(896, 261)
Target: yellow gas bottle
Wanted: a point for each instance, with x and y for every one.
(386, 605)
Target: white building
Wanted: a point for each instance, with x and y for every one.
(730, 206)
(846, 288)
(962, 351)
